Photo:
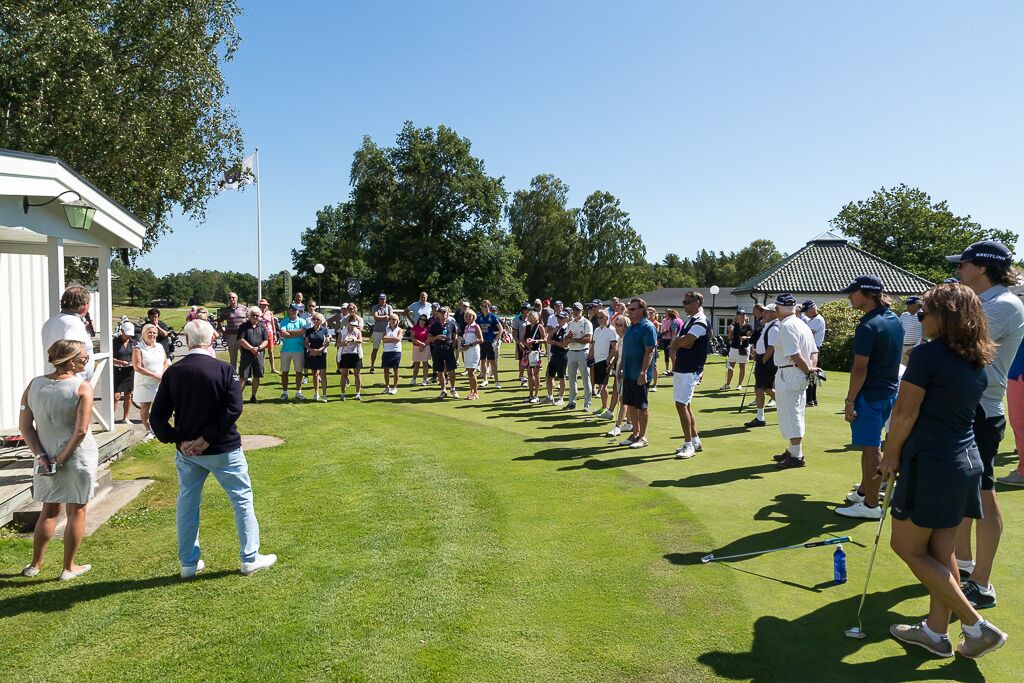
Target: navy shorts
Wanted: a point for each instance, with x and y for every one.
(764, 374)
(348, 361)
(866, 429)
(634, 395)
(601, 373)
(988, 432)
(444, 359)
(487, 350)
(557, 364)
(391, 359)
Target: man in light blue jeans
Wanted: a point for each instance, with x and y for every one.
(205, 398)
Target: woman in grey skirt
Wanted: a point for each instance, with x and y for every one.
(55, 413)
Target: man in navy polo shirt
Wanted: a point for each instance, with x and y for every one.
(690, 347)
(987, 268)
(639, 345)
(874, 379)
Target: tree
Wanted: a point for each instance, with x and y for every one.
(908, 229)
(711, 269)
(143, 287)
(130, 94)
(752, 259)
(175, 288)
(610, 258)
(277, 289)
(543, 228)
(340, 245)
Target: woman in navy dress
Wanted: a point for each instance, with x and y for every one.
(931, 446)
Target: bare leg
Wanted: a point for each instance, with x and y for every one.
(144, 413)
(46, 524)
(871, 482)
(73, 534)
(640, 426)
(255, 386)
(743, 371)
(990, 530)
(284, 380)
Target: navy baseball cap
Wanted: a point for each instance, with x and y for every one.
(864, 283)
(985, 252)
(951, 281)
(785, 300)
(595, 303)
(293, 307)
(913, 300)
(526, 307)
(558, 303)
(740, 311)
(562, 314)
(807, 305)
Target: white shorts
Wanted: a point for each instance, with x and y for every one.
(376, 337)
(683, 386)
(736, 357)
(290, 358)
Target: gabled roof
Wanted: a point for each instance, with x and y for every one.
(829, 263)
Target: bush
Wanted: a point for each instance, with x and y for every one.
(840, 322)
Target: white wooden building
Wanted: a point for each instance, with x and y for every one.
(33, 246)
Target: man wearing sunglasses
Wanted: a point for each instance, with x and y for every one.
(690, 349)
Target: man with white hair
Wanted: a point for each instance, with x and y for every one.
(794, 350)
(205, 399)
(232, 316)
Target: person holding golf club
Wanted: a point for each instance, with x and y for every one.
(931, 445)
(690, 350)
(987, 268)
(874, 376)
(794, 351)
(764, 364)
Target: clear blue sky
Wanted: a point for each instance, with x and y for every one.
(715, 123)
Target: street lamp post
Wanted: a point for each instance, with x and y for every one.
(714, 293)
(319, 270)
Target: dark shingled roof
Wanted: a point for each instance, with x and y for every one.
(829, 263)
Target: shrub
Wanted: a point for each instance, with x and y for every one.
(840, 322)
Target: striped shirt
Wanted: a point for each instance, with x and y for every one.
(911, 329)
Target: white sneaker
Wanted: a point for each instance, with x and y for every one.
(412, 383)
(261, 562)
(860, 511)
(29, 571)
(443, 394)
(299, 396)
(68, 576)
(358, 397)
(484, 383)
(739, 387)
(627, 426)
(698, 446)
(534, 400)
(394, 391)
(558, 402)
(497, 385)
(654, 388)
(305, 380)
(424, 383)
(628, 441)
(685, 452)
(387, 390)
(614, 431)
(455, 394)
(639, 443)
(189, 572)
(854, 497)
(284, 395)
(606, 415)
(316, 396)
(769, 404)
(323, 399)
(724, 387)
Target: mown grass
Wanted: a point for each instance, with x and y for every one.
(492, 541)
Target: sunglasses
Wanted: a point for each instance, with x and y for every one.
(921, 314)
(632, 308)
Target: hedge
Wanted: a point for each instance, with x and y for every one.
(840, 321)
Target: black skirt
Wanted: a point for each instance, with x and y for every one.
(124, 380)
(936, 490)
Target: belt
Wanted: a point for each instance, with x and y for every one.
(785, 366)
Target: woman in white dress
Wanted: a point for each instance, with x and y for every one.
(55, 414)
(149, 360)
(472, 335)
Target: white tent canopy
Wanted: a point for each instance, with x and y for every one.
(33, 247)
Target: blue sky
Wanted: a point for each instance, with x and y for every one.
(714, 123)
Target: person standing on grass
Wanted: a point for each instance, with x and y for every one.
(670, 326)
(579, 333)
(987, 268)
(652, 315)
(348, 343)
(492, 330)
(232, 316)
(739, 344)
(418, 308)
(605, 347)
(56, 410)
(442, 337)
(813, 320)
(381, 312)
(911, 326)
(149, 361)
(794, 350)
(874, 379)
(124, 373)
(252, 341)
(764, 364)
(469, 341)
(1015, 407)
(315, 344)
(518, 326)
(639, 346)
(557, 359)
(420, 349)
(270, 323)
(163, 332)
(690, 349)
(68, 324)
(205, 399)
(392, 358)
(533, 338)
(931, 444)
(619, 325)
(552, 320)
(293, 334)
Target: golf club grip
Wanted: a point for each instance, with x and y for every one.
(830, 541)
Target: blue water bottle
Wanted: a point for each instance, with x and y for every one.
(839, 564)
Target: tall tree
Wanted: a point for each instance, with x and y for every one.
(610, 258)
(544, 229)
(130, 94)
(752, 259)
(905, 226)
(338, 243)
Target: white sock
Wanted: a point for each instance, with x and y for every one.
(967, 565)
(936, 637)
(796, 451)
(760, 414)
(696, 440)
(974, 631)
(688, 444)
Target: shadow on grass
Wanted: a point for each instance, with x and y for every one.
(565, 453)
(597, 464)
(776, 654)
(67, 596)
(717, 477)
(723, 431)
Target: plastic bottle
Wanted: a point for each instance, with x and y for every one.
(839, 564)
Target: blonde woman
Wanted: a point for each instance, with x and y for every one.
(472, 336)
(533, 337)
(349, 341)
(149, 360)
(392, 356)
(316, 344)
(55, 414)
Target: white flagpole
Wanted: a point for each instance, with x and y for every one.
(259, 237)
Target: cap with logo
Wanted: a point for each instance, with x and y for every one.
(526, 306)
(864, 283)
(596, 303)
(293, 307)
(807, 305)
(558, 303)
(986, 252)
(785, 300)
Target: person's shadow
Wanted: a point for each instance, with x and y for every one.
(780, 649)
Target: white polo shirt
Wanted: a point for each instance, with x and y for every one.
(769, 335)
(67, 326)
(603, 338)
(794, 338)
(580, 328)
(817, 325)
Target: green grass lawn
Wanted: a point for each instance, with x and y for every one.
(494, 541)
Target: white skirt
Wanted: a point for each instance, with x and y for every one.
(471, 358)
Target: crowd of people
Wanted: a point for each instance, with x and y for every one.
(924, 401)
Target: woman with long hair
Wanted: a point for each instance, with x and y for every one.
(533, 337)
(931, 446)
(670, 326)
(55, 413)
(149, 361)
(420, 349)
(349, 341)
(472, 336)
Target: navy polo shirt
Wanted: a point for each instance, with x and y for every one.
(879, 336)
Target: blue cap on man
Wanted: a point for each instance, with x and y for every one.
(785, 300)
(864, 283)
(986, 252)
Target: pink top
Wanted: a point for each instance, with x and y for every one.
(420, 333)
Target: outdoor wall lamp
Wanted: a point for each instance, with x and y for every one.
(78, 212)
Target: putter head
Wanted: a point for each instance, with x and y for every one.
(855, 632)
(707, 558)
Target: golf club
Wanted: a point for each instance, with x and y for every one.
(858, 630)
(744, 399)
(814, 544)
